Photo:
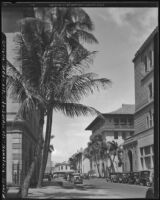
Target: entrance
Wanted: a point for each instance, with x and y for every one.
(130, 160)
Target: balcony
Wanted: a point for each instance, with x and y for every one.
(124, 126)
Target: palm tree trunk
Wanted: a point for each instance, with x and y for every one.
(107, 168)
(97, 167)
(46, 147)
(112, 165)
(26, 183)
(104, 171)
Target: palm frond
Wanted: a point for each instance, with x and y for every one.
(74, 109)
(80, 86)
(79, 15)
(86, 36)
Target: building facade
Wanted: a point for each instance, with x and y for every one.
(116, 126)
(21, 135)
(140, 148)
(21, 144)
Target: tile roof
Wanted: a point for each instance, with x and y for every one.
(128, 109)
(125, 109)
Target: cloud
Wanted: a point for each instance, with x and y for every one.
(120, 15)
(137, 22)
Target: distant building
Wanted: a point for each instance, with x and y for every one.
(62, 167)
(81, 164)
(138, 149)
(116, 126)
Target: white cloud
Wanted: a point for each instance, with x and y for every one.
(119, 15)
(138, 22)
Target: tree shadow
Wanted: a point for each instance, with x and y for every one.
(71, 195)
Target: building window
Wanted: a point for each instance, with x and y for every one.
(141, 151)
(130, 122)
(62, 167)
(150, 91)
(115, 135)
(66, 166)
(142, 163)
(149, 119)
(123, 121)
(147, 122)
(145, 64)
(147, 150)
(16, 146)
(16, 156)
(146, 157)
(150, 58)
(116, 121)
(148, 162)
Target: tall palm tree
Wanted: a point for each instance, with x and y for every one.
(46, 65)
(73, 28)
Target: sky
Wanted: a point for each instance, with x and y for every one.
(120, 32)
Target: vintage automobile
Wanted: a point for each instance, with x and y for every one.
(114, 177)
(120, 177)
(125, 176)
(131, 178)
(136, 178)
(76, 178)
(144, 178)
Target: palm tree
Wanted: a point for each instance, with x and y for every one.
(93, 152)
(43, 70)
(76, 54)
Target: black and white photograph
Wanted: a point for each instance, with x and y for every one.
(81, 85)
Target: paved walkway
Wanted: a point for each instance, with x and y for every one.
(91, 189)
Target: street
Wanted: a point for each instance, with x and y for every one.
(92, 188)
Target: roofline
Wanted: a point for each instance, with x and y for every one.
(145, 43)
(105, 115)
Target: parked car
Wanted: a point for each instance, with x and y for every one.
(76, 178)
(125, 177)
(114, 177)
(131, 178)
(145, 178)
(136, 176)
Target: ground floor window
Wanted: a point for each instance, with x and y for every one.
(16, 173)
(147, 157)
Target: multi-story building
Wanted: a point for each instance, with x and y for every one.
(21, 144)
(138, 150)
(115, 126)
(21, 137)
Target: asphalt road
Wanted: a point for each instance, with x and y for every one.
(93, 188)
